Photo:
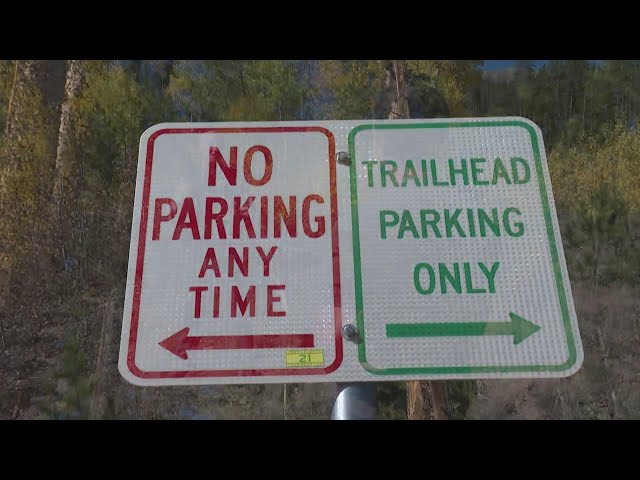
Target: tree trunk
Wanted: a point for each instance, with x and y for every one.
(584, 106)
(13, 89)
(400, 106)
(28, 145)
(24, 81)
(71, 89)
(426, 400)
(100, 376)
(23, 104)
(63, 169)
(570, 105)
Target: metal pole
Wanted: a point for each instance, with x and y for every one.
(355, 401)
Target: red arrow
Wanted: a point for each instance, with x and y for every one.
(180, 342)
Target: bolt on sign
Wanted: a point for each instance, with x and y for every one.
(340, 251)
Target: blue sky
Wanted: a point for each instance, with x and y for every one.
(500, 64)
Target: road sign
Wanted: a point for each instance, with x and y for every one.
(435, 241)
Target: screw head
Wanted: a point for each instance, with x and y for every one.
(350, 333)
(343, 158)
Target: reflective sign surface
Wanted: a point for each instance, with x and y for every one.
(435, 241)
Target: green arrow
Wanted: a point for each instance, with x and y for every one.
(518, 327)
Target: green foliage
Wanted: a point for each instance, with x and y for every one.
(109, 118)
(270, 91)
(569, 99)
(353, 87)
(452, 79)
(219, 90)
(110, 114)
(460, 394)
(6, 79)
(392, 400)
(598, 183)
(366, 88)
(71, 391)
(25, 169)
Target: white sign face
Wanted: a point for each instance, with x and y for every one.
(252, 248)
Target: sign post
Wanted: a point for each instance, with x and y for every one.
(437, 243)
(355, 401)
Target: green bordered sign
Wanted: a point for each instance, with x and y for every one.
(459, 269)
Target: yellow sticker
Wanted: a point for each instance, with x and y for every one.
(304, 358)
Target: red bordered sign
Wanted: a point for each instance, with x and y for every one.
(219, 213)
